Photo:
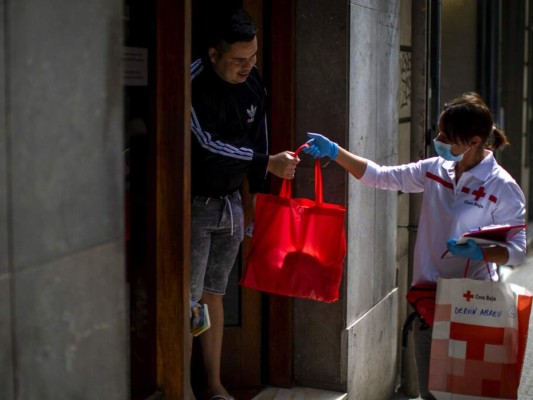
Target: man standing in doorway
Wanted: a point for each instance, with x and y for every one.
(229, 144)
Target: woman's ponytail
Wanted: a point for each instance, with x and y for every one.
(497, 139)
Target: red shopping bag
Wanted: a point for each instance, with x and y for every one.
(298, 245)
(422, 298)
(478, 340)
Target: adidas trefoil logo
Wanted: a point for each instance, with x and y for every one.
(251, 113)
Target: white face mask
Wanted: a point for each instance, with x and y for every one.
(444, 150)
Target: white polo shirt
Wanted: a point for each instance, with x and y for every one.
(484, 195)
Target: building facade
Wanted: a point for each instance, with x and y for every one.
(95, 187)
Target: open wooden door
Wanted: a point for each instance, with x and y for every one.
(172, 195)
(157, 114)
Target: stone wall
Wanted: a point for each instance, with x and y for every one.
(372, 298)
(62, 274)
(347, 85)
(321, 106)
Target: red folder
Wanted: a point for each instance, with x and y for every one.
(499, 233)
(489, 235)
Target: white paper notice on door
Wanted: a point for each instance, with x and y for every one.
(135, 66)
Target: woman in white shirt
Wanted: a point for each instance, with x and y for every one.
(464, 188)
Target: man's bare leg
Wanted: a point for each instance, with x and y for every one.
(211, 341)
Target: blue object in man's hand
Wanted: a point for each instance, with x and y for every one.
(470, 249)
(321, 146)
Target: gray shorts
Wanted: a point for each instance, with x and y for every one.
(217, 230)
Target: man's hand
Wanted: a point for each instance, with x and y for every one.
(470, 249)
(283, 164)
(321, 146)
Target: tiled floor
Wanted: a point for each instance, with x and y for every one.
(299, 394)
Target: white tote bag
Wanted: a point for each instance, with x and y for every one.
(478, 339)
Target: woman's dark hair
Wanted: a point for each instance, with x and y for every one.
(467, 116)
(229, 27)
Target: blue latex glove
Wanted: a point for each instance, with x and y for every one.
(470, 249)
(321, 146)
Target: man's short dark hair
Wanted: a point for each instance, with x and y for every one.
(233, 26)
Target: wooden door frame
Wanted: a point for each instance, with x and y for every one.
(171, 201)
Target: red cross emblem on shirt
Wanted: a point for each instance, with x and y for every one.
(468, 295)
(479, 193)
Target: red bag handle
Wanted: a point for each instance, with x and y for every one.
(486, 264)
(286, 187)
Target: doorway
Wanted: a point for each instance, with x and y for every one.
(241, 351)
(257, 346)
(258, 332)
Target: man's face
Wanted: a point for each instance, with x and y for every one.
(235, 65)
